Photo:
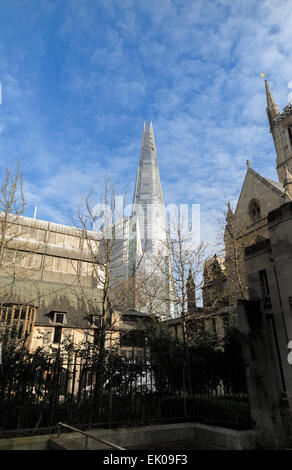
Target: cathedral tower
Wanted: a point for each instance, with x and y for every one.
(281, 129)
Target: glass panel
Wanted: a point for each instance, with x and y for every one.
(59, 318)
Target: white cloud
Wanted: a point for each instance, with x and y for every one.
(193, 67)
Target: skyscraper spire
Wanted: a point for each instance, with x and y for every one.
(272, 109)
(149, 211)
(148, 200)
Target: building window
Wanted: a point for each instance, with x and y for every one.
(57, 335)
(18, 320)
(134, 339)
(290, 134)
(265, 289)
(254, 210)
(58, 317)
(96, 321)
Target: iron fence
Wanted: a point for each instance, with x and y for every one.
(79, 392)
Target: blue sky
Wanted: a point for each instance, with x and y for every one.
(79, 77)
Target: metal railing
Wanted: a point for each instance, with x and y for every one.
(36, 394)
(88, 436)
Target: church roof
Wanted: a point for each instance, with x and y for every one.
(274, 185)
(286, 112)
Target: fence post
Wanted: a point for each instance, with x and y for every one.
(110, 406)
(184, 389)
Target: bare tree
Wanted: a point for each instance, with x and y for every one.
(173, 278)
(186, 258)
(12, 205)
(151, 294)
(21, 255)
(112, 254)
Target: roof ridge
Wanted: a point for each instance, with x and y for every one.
(276, 184)
(277, 187)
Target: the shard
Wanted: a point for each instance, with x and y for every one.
(148, 200)
(149, 212)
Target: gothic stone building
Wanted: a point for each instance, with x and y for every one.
(266, 320)
(268, 266)
(225, 280)
(259, 196)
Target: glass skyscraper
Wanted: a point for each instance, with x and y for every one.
(149, 213)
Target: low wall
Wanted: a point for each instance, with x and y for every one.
(203, 436)
(26, 443)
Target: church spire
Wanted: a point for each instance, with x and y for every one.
(229, 214)
(272, 108)
(270, 100)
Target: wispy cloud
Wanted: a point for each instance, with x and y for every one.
(79, 79)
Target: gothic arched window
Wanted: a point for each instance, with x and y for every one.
(254, 210)
(290, 134)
